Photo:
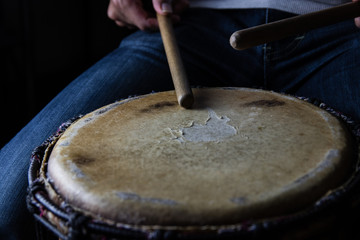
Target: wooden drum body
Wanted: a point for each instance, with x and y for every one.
(240, 162)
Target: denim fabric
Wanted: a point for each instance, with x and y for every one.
(323, 63)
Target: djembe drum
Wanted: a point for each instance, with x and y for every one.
(241, 162)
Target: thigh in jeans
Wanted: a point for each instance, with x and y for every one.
(111, 79)
(324, 64)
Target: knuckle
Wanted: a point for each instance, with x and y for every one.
(111, 13)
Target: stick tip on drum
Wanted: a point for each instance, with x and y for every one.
(186, 100)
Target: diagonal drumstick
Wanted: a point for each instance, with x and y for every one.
(258, 35)
(183, 91)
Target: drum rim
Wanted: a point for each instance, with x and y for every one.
(39, 202)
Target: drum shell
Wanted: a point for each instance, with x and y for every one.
(328, 211)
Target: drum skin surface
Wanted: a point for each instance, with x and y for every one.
(238, 154)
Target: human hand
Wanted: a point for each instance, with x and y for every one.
(132, 14)
(357, 20)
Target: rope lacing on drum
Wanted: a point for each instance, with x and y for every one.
(77, 226)
(34, 187)
(162, 235)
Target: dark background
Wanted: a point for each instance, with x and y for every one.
(44, 45)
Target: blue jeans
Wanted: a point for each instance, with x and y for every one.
(324, 63)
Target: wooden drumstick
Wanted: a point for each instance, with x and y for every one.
(183, 91)
(261, 34)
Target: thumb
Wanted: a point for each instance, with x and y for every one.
(357, 20)
(163, 7)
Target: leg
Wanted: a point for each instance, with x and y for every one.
(322, 64)
(109, 80)
(203, 38)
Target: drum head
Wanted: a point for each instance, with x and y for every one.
(238, 154)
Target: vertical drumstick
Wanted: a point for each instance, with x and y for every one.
(178, 74)
(258, 35)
